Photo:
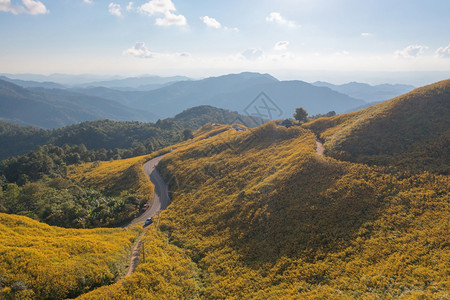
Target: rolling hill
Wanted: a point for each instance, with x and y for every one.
(412, 130)
(52, 108)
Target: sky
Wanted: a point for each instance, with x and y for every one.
(407, 41)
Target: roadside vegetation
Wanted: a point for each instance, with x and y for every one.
(98, 194)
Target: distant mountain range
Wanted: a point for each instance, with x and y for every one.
(31, 83)
(144, 83)
(367, 92)
(235, 92)
(75, 99)
(52, 108)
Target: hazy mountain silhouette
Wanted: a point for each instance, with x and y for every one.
(51, 108)
(367, 92)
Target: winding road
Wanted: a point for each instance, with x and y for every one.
(161, 198)
(160, 201)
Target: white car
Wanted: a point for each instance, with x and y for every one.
(148, 222)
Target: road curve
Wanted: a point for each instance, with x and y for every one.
(161, 198)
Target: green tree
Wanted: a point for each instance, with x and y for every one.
(300, 114)
(187, 134)
(10, 197)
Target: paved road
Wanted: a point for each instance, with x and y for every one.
(161, 198)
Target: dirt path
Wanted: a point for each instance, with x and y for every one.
(160, 201)
(135, 254)
(319, 148)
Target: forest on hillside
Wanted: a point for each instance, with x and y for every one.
(112, 140)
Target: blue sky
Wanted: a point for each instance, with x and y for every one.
(286, 38)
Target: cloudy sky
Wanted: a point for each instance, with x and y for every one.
(286, 38)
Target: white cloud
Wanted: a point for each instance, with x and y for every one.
(276, 17)
(366, 34)
(88, 1)
(171, 19)
(35, 7)
(443, 52)
(157, 7)
(411, 51)
(281, 45)
(30, 7)
(139, 50)
(165, 7)
(252, 54)
(130, 6)
(211, 22)
(115, 9)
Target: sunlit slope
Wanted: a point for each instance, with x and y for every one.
(412, 130)
(115, 177)
(263, 216)
(45, 262)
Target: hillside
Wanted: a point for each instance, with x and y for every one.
(411, 131)
(367, 92)
(263, 216)
(233, 91)
(51, 108)
(38, 261)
